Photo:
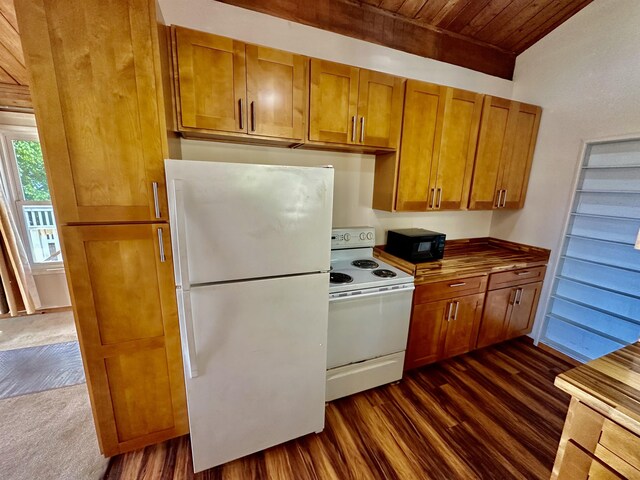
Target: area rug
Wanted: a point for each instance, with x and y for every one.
(37, 369)
(49, 435)
(37, 329)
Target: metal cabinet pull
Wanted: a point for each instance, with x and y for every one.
(241, 106)
(156, 199)
(455, 314)
(439, 198)
(253, 116)
(526, 272)
(518, 298)
(163, 258)
(449, 310)
(353, 129)
(361, 129)
(458, 284)
(499, 201)
(504, 198)
(433, 197)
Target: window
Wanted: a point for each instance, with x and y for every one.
(595, 301)
(28, 191)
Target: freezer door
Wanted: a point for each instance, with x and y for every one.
(260, 357)
(241, 221)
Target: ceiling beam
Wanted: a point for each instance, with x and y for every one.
(372, 24)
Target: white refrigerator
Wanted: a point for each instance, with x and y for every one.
(251, 246)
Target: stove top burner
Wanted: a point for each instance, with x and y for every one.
(384, 273)
(367, 264)
(338, 278)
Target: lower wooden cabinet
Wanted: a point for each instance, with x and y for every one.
(442, 329)
(508, 313)
(122, 288)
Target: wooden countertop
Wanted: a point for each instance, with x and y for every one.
(468, 257)
(609, 385)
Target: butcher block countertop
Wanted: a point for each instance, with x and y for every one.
(609, 385)
(469, 257)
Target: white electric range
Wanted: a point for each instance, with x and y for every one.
(369, 312)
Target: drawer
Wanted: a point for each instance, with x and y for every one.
(516, 277)
(621, 442)
(450, 289)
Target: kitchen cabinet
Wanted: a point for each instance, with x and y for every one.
(439, 133)
(352, 106)
(507, 138)
(121, 283)
(509, 312)
(227, 87)
(444, 321)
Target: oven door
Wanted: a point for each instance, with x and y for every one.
(368, 325)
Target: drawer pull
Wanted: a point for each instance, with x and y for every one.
(457, 284)
(526, 272)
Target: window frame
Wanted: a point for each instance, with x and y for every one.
(13, 191)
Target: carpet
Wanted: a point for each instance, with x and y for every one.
(49, 435)
(36, 369)
(37, 329)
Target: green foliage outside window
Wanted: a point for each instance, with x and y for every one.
(31, 170)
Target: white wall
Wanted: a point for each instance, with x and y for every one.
(586, 77)
(354, 173)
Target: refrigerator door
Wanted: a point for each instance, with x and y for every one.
(240, 221)
(260, 354)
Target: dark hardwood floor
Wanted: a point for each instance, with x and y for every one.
(492, 414)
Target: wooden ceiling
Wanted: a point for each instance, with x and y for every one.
(484, 35)
(14, 90)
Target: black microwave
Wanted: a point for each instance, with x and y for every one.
(416, 244)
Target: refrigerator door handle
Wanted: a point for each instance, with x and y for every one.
(185, 317)
(179, 229)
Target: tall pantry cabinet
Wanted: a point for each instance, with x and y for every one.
(96, 83)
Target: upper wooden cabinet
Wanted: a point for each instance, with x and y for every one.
(439, 132)
(102, 125)
(228, 87)
(353, 106)
(506, 142)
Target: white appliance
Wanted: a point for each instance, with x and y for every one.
(369, 313)
(251, 251)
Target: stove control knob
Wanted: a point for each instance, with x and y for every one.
(370, 236)
(347, 237)
(363, 236)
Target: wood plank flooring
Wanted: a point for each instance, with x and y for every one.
(491, 414)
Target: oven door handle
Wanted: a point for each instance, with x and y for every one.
(372, 294)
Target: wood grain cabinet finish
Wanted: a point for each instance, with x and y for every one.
(122, 289)
(96, 97)
(506, 143)
(439, 134)
(228, 87)
(442, 329)
(352, 106)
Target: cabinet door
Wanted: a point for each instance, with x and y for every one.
(379, 109)
(98, 98)
(462, 325)
(457, 150)
(121, 283)
(426, 333)
(211, 81)
(276, 84)
(491, 154)
(333, 103)
(497, 309)
(421, 129)
(523, 132)
(525, 305)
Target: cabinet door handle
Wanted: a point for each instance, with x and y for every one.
(439, 198)
(433, 197)
(499, 200)
(457, 284)
(518, 298)
(504, 198)
(253, 116)
(449, 310)
(353, 129)
(163, 258)
(455, 314)
(361, 129)
(156, 199)
(241, 107)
